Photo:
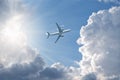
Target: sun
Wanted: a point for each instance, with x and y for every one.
(12, 32)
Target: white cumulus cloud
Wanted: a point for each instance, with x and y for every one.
(101, 45)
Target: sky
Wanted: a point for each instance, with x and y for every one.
(90, 51)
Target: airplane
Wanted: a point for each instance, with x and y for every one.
(60, 32)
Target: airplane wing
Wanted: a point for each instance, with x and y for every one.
(59, 28)
(57, 38)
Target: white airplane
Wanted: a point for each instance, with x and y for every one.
(60, 32)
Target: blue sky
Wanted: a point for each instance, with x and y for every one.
(27, 54)
(71, 14)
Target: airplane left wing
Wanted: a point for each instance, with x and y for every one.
(58, 38)
(59, 28)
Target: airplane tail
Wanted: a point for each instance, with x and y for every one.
(48, 35)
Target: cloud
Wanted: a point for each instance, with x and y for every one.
(55, 72)
(58, 71)
(101, 49)
(90, 76)
(21, 71)
(112, 1)
(10, 7)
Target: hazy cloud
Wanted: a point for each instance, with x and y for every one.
(53, 72)
(112, 1)
(90, 76)
(22, 71)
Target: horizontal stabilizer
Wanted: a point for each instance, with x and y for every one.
(48, 35)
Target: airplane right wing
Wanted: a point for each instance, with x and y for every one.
(58, 38)
(59, 28)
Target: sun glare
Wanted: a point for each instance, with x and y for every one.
(12, 32)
